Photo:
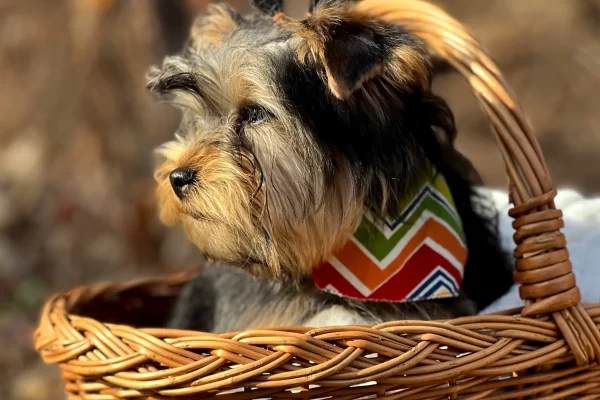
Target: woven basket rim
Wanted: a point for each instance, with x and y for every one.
(122, 361)
(549, 348)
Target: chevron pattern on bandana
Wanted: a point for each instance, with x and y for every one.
(418, 256)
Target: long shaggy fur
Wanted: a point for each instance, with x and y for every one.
(293, 129)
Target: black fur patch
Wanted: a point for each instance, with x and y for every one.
(352, 53)
(355, 48)
(396, 148)
(390, 147)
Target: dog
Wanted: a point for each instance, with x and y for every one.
(293, 131)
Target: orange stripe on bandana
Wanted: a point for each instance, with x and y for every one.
(354, 267)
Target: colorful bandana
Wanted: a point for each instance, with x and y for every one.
(419, 256)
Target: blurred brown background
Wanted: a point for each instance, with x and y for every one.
(77, 129)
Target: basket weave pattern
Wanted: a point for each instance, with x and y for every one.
(548, 350)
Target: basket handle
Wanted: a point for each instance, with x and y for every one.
(543, 269)
(542, 261)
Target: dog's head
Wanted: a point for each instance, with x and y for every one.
(291, 129)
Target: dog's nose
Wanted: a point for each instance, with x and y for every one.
(180, 178)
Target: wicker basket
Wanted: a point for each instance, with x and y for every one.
(548, 350)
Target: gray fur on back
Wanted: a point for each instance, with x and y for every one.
(225, 298)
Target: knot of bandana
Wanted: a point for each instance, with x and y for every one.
(419, 255)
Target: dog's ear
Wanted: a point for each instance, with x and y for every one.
(211, 29)
(270, 7)
(354, 48)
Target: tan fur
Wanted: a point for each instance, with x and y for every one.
(212, 29)
(223, 218)
(230, 214)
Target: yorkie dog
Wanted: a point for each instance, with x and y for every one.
(316, 166)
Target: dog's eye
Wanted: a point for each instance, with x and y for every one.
(253, 115)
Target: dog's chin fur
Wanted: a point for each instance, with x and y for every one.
(230, 215)
(293, 129)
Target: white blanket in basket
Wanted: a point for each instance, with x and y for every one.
(582, 229)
